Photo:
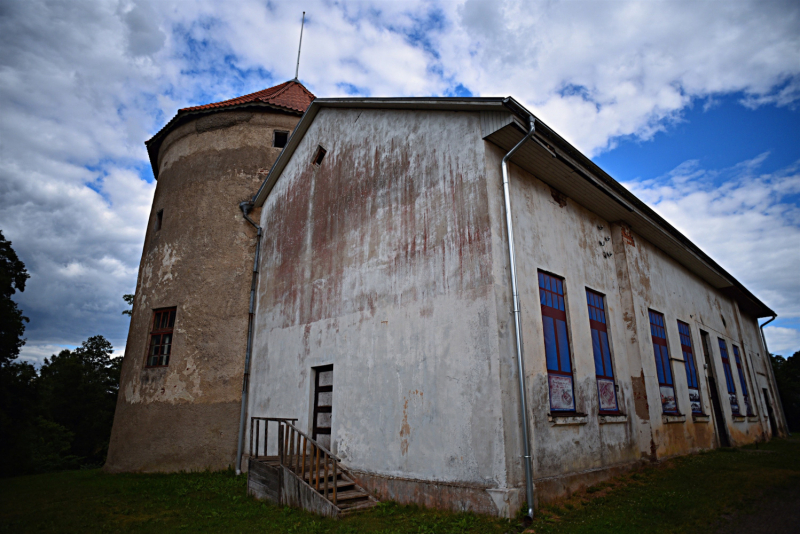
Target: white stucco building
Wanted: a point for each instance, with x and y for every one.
(385, 263)
(368, 295)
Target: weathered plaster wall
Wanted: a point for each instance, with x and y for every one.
(659, 283)
(185, 416)
(554, 234)
(379, 261)
(759, 373)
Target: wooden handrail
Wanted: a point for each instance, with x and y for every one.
(309, 458)
(324, 467)
(255, 432)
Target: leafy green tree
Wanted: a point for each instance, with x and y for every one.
(18, 409)
(78, 391)
(129, 299)
(17, 379)
(787, 375)
(13, 276)
(61, 417)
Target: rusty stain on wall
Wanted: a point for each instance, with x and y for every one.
(559, 197)
(640, 397)
(627, 236)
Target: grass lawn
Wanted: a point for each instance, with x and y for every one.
(697, 493)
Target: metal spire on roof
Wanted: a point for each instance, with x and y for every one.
(297, 69)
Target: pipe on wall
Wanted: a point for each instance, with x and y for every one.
(772, 373)
(523, 402)
(246, 207)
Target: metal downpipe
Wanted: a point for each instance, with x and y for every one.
(771, 372)
(246, 207)
(523, 402)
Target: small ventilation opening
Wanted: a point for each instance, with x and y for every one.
(280, 139)
(159, 219)
(320, 155)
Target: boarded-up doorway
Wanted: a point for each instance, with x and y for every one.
(772, 426)
(716, 407)
(323, 405)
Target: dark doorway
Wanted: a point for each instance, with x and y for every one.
(719, 418)
(770, 413)
(323, 405)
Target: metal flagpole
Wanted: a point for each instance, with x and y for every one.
(297, 69)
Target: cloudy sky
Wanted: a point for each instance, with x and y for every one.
(693, 105)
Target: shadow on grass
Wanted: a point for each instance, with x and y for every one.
(688, 494)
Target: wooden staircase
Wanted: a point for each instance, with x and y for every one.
(336, 485)
(315, 470)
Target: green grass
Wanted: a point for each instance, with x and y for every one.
(687, 494)
(91, 501)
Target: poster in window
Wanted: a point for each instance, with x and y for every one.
(694, 399)
(734, 403)
(561, 397)
(668, 402)
(607, 395)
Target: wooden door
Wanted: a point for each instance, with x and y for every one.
(323, 405)
(716, 407)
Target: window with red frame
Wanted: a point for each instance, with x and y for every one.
(726, 365)
(745, 393)
(161, 337)
(556, 343)
(691, 367)
(665, 383)
(606, 387)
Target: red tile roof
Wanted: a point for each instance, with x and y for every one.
(289, 95)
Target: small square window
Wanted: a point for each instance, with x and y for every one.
(318, 157)
(280, 139)
(161, 337)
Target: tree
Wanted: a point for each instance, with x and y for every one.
(18, 408)
(17, 379)
(78, 391)
(787, 375)
(12, 323)
(129, 299)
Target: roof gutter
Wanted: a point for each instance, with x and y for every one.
(523, 401)
(772, 372)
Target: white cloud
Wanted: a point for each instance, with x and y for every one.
(781, 340)
(599, 70)
(84, 83)
(748, 222)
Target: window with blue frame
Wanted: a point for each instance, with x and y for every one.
(726, 366)
(745, 393)
(666, 385)
(691, 367)
(556, 343)
(606, 387)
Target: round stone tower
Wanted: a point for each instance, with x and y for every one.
(181, 383)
